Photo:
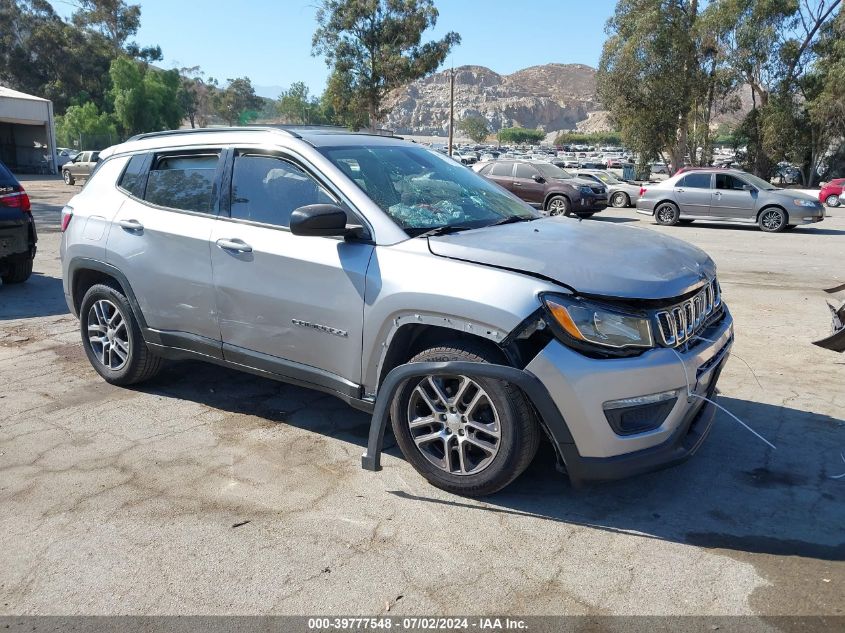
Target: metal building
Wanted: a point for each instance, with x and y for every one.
(27, 132)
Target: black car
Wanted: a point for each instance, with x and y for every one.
(17, 230)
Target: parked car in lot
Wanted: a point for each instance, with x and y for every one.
(620, 193)
(548, 187)
(80, 167)
(17, 230)
(831, 191)
(727, 195)
(64, 155)
(387, 275)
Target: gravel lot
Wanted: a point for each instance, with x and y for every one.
(207, 491)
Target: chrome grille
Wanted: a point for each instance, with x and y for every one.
(679, 323)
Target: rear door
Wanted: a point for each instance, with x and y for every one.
(732, 200)
(693, 193)
(77, 165)
(502, 173)
(525, 186)
(289, 304)
(160, 237)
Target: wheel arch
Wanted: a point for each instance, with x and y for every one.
(773, 206)
(551, 195)
(84, 273)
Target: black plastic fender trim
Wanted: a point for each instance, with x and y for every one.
(531, 386)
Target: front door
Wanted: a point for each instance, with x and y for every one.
(289, 304)
(733, 198)
(693, 193)
(525, 184)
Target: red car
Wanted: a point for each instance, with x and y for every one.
(829, 194)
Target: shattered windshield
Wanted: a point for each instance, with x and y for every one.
(423, 190)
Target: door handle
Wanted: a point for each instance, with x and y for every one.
(718, 194)
(516, 184)
(131, 225)
(234, 245)
(680, 190)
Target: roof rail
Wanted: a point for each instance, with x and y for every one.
(208, 130)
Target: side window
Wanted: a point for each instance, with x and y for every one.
(504, 168)
(182, 182)
(95, 156)
(726, 181)
(524, 170)
(134, 176)
(695, 181)
(268, 189)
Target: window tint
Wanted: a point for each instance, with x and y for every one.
(524, 170)
(182, 182)
(95, 156)
(134, 176)
(268, 189)
(695, 181)
(726, 181)
(502, 169)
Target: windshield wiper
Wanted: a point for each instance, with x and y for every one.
(446, 230)
(511, 220)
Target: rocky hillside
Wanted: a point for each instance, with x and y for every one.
(551, 97)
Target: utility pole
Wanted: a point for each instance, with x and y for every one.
(451, 108)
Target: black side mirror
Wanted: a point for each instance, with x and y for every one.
(538, 178)
(319, 220)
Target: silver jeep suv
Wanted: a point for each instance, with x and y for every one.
(405, 284)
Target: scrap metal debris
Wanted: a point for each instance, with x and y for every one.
(836, 341)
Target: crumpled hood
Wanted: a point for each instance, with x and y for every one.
(592, 258)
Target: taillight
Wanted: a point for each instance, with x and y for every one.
(642, 191)
(67, 214)
(17, 199)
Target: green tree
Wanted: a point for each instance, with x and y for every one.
(145, 98)
(518, 135)
(195, 95)
(650, 74)
(84, 125)
(474, 127)
(237, 103)
(374, 46)
(295, 105)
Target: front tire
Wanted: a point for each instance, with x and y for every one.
(466, 435)
(68, 177)
(773, 220)
(667, 214)
(18, 272)
(112, 338)
(558, 205)
(620, 200)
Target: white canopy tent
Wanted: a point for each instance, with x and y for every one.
(27, 132)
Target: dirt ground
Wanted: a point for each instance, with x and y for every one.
(207, 491)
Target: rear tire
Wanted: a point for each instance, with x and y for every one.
(832, 200)
(667, 214)
(497, 416)
(558, 205)
(112, 338)
(620, 200)
(18, 272)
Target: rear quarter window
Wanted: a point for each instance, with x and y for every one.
(134, 177)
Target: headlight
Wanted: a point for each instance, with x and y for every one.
(589, 323)
(800, 202)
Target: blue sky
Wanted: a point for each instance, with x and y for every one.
(269, 41)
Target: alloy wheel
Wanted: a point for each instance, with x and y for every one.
(454, 424)
(772, 220)
(666, 213)
(557, 207)
(108, 334)
(618, 200)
